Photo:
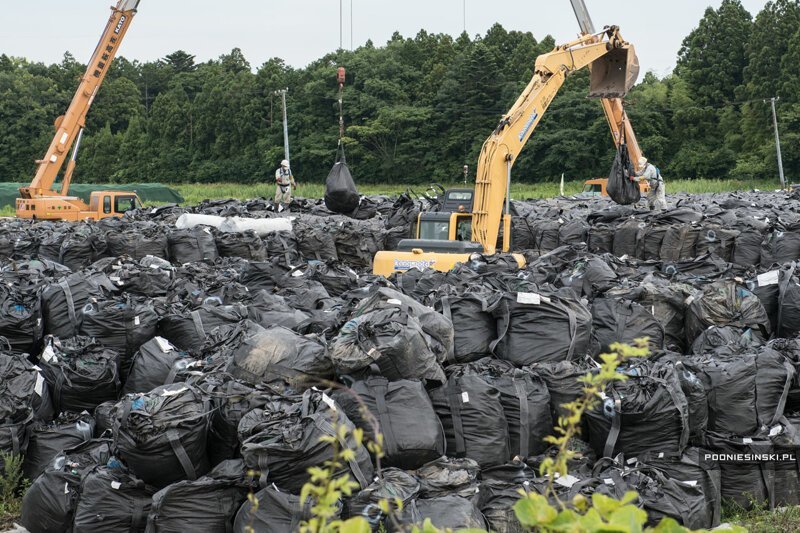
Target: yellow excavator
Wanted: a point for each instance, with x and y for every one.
(39, 200)
(445, 239)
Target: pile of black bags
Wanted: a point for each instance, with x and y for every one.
(163, 379)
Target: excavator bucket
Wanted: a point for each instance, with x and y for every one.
(614, 74)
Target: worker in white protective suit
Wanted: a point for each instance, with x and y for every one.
(284, 184)
(657, 196)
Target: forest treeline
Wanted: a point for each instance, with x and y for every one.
(416, 109)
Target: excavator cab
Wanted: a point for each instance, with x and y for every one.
(614, 74)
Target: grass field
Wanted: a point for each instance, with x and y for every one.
(194, 193)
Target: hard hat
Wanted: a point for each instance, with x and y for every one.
(285, 163)
(642, 161)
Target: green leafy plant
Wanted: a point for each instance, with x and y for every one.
(12, 485)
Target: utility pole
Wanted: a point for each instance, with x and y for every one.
(777, 141)
(341, 25)
(282, 94)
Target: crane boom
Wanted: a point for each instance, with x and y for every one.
(69, 126)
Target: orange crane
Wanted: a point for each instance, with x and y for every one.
(39, 200)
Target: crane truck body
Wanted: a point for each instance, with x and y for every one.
(40, 200)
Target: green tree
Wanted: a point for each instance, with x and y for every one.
(180, 61)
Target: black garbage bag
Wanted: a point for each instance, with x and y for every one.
(192, 245)
(452, 513)
(412, 433)
(746, 484)
(247, 245)
(63, 303)
(394, 485)
(283, 245)
(279, 355)
(668, 304)
(726, 303)
(276, 512)
(647, 412)
(438, 327)
(282, 440)
(536, 327)
(315, 238)
(337, 277)
(448, 475)
(390, 338)
(562, 380)
(231, 400)
(48, 505)
(188, 329)
(692, 468)
(156, 363)
(161, 435)
(20, 320)
(624, 321)
(620, 188)
(474, 422)
(122, 325)
(525, 401)
(736, 339)
(112, 500)
(48, 439)
(357, 241)
(745, 390)
(474, 326)
(104, 418)
(23, 389)
(268, 310)
(137, 244)
(80, 372)
(659, 494)
(209, 503)
(341, 195)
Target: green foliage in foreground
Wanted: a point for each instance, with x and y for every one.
(12, 486)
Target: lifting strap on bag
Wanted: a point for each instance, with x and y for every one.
(782, 288)
(73, 318)
(616, 426)
(198, 324)
(524, 415)
(138, 515)
(180, 452)
(380, 387)
(453, 393)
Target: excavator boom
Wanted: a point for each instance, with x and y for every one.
(614, 71)
(609, 78)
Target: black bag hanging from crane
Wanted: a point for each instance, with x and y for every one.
(341, 195)
(620, 187)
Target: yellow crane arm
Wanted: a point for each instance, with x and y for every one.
(69, 127)
(609, 81)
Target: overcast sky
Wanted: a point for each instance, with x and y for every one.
(300, 31)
